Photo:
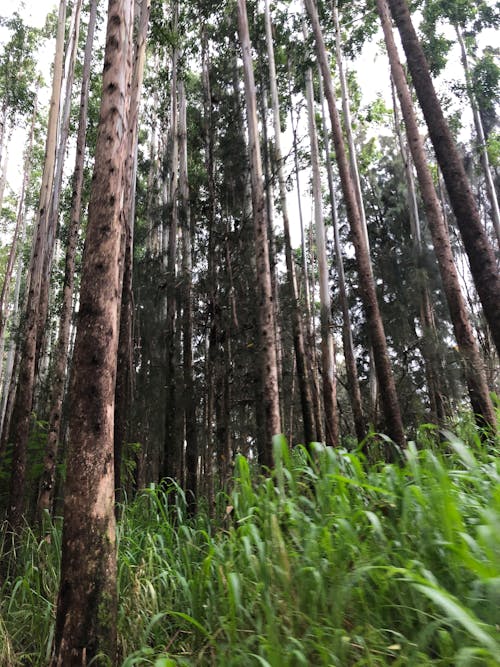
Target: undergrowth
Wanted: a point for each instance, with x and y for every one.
(328, 561)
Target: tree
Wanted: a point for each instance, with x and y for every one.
(298, 335)
(86, 605)
(328, 369)
(25, 387)
(47, 481)
(367, 286)
(267, 340)
(481, 258)
(473, 364)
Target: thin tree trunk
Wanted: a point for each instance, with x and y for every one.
(270, 393)
(87, 601)
(189, 399)
(125, 374)
(481, 257)
(353, 162)
(47, 482)
(311, 343)
(390, 403)
(472, 361)
(19, 229)
(327, 345)
(297, 332)
(24, 394)
(428, 340)
(53, 214)
(481, 140)
(349, 356)
(172, 444)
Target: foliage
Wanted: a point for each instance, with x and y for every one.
(328, 561)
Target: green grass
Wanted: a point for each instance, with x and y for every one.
(329, 561)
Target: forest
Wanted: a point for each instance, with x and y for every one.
(250, 334)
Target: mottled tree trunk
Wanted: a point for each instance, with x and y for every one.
(268, 359)
(390, 403)
(481, 257)
(472, 362)
(327, 344)
(21, 414)
(53, 213)
(87, 600)
(47, 481)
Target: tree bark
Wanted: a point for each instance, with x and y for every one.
(125, 365)
(390, 403)
(327, 344)
(481, 257)
(21, 414)
(87, 600)
(268, 359)
(472, 361)
(47, 482)
(53, 213)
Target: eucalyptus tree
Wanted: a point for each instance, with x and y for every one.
(473, 364)
(267, 339)
(328, 370)
(479, 251)
(125, 363)
(389, 396)
(467, 19)
(347, 339)
(298, 335)
(25, 386)
(47, 481)
(87, 600)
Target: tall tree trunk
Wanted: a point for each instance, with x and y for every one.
(268, 359)
(309, 334)
(87, 601)
(390, 403)
(298, 335)
(428, 340)
(481, 140)
(481, 258)
(172, 445)
(349, 356)
(472, 361)
(24, 395)
(19, 229)
(189, 398)
(47, 481)
(353, 162)
(53, 213)
(125, 375)
(327, 344)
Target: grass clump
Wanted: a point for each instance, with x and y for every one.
(328, 561)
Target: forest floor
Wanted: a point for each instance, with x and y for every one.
(331, 560)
